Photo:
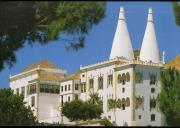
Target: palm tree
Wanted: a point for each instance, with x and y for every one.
(113, 104)
(94, 98)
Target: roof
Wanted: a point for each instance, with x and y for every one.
(175, 62)
(121, 45)
(149, 48)
(41, 64)
(72, 76)
(50, 77)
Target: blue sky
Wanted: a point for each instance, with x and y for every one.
(99, 41)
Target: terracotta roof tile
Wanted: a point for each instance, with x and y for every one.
(41, 64)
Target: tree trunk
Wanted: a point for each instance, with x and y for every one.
(115, 115)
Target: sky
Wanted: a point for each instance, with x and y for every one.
(99, 41)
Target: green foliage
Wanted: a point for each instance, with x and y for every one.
(13, 111)
(106, 122)
(176, 8)
(94, 98)
(32, 21)
(169, 98)
(79, 110)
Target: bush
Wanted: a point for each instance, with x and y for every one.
(79, 110)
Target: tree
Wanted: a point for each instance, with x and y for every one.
(94, 98)
(176, 8)
(31, 21)
(106, 122)
(113, 104)
(13, 111)
(169, 98)
(79, 110)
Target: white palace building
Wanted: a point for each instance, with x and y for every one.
(134, 80)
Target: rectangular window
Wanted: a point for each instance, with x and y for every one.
(123, 89)
(123, 106)
(84, 87)
(62, 101)
(110, 80)
(57, 89)
(152, 90)
(153, 117)
(91, 83)
(69, 98)
(76, 96)
(51, 88)
(139, 77)
(42, 88)
(69, 87)
(100, 82)
(139, 116)
(46, 88)
(65, 87)
(152, 79)
(33, 89)
(22, 91)
(32, 101)
(152, 103)
(76, 86)
(61, 88)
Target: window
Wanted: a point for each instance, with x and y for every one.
(127, 77)
(123, 89)
(127, 102)
(76, 86)
(65, 87)
(84, 87)
(91, 82)
(123, 106)
(69, 87)
(32, 101)
(23, 91)
(119, 78)
(83, 75)
(110, 80)
(51, 89)
(139, 77)
(139, 116)
(152, 79)
(100, 82)
(32, 88)
(152, 90)
(152, 117)
(152, 103)
(123, 103)
(76, 96)
(57, 90)
(69, 98)
(61, 88)
(17, 91)
(42, 89)
(46, 89)
(123, 79)
(62, 101)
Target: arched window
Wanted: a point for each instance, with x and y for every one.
(123, 79)
(123, 103)
(119, 78)
(119, 104)
(127, 102)
(127, 77)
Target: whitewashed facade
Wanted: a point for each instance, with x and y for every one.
(134, 82)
